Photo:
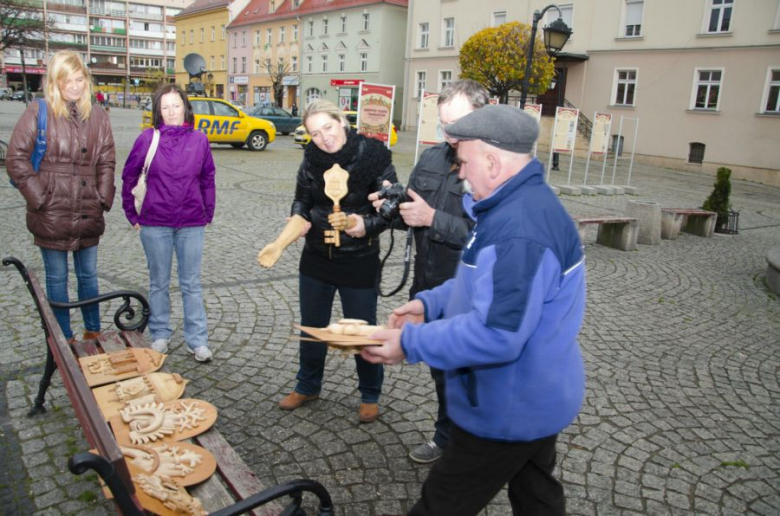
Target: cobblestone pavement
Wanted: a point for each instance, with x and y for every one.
(680, 340)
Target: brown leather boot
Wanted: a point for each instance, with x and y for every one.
(368, 412)
(294, 400)
(91, 335)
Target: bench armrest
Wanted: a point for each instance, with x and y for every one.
(125, 311)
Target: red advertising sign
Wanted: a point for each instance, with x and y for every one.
(375, 111)
(346, 82)
(36, 70)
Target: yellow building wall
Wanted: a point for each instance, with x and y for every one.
(216, 50)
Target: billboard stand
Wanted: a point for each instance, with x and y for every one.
(375, 111)
(564, 136)
(535, 110)
(618, 149)
(599, 141)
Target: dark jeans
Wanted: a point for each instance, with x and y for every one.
(442, 434)
(316, 299)
(473, 470)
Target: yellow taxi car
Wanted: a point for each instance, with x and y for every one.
(301, 137)
(223, 123)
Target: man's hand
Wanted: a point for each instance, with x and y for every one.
(374, 197)
(416, 213)
(390, 352)
(356, 226)
(412, 312)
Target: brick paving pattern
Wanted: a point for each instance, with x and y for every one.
(680, 341)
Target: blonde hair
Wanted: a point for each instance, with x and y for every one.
(63, 64)
(327, 107)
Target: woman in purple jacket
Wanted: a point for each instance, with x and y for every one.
(179, 202)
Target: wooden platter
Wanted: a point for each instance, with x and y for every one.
(152, 387)
(120, 365)
(351, 344)
(163, 422)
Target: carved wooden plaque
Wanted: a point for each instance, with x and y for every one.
(120, 365)
(149, 388)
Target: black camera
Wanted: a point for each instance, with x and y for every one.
(393, 195)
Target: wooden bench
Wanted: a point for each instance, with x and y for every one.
(618, 232)
(693, 221)
(232, 489)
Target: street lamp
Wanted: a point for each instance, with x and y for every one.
(210, 83)
(556, 35)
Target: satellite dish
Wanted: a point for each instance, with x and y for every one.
(194, 64)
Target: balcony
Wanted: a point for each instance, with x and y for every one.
(103, 48)
(107, 30)
(66, 8)
(107, 66)
(145, 16)
(113, 13)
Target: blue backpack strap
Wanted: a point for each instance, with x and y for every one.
(40, 138)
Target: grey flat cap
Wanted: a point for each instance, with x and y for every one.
(502, 126)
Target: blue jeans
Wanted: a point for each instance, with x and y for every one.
(316, 299)
(160, 242)
(55, 264)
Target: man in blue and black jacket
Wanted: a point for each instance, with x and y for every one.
(504, 329)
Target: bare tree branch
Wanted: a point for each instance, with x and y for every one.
(22, 25)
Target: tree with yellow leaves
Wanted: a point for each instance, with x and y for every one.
(496, 58)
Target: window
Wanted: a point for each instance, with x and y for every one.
(363, 61)
(567, 15)
(213, 33)
(224, 33)
(772, 94)
(183, 37)
(295, 33)
(343, 23)
(366, 21)
(342, 62)
(294, 61)
(499, 18)
(309, 63)
(445, 77)
(325, 26)
(235, 39)
(720, 15)
(312, 94)
(257, 38)
(449, 32)
(243, 65)
(422, 40)
(243, 39)
(222, 62)
(696, 152)
(310, 25)
(625, 87)
(268, 36)
(324, 64)
(221, 109)
(281, 34)
(192, 36)
(235, 64)
(420, 84)
(633, 18)
(212, 63)
(707, 92)
(257, 66)
(202, 35)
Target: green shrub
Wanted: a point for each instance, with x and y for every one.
(718, 201)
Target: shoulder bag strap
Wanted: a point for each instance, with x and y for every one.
(151, 152)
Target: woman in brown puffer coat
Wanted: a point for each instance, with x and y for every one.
(74, 186)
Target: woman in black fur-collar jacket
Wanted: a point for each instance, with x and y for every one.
(350, 269)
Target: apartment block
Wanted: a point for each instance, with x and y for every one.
(701, 78)
(121, 41)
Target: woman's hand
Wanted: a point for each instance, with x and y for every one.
(339, 221)
(137, 227)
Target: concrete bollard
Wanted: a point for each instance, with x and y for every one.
(648, 215)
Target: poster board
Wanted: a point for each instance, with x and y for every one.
(535, 110)
(375, 111)
(599, 139)
(428, 128)
(565, 129)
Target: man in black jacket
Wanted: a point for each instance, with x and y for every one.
(441, 226)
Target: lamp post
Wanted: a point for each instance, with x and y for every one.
(556, 35)
(210, 83)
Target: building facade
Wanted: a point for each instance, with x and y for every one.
(702, 84)
(265, 36)
(122, 42)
